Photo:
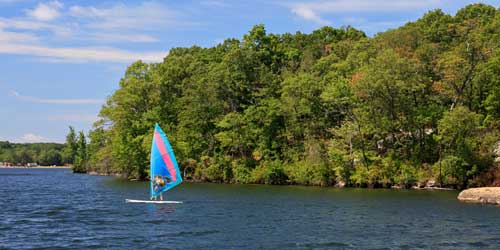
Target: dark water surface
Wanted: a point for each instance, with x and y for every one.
(54, 209)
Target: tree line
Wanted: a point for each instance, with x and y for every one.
(334, 107)
(46, 154)
(72, 152)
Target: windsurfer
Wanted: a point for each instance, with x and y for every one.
(159, 182)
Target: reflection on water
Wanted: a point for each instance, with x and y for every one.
(55, 209)
(155, 210)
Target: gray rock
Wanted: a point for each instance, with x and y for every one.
(490, 195)
(430, 183)
(340, 184)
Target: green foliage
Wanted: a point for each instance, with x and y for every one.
(360, 176)
(269, 173)
(408, 175)
(324, 108)
(451, 170)
(50, 157)
(457, 132)
(45, 154)
(304, 173)
(99, 156)
(243, 174)
(69, 152)
(81, 158)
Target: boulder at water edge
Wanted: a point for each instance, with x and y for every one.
(490, 195)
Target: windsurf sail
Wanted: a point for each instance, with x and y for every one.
(164, 170)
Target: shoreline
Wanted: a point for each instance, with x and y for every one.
(395, 187)
(94, 173)
(289, 184)
(39, 167)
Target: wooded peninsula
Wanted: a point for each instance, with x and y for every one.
(413, 105)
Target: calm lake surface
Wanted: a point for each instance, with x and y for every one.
(55, 209)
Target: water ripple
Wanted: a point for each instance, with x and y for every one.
(54, 209)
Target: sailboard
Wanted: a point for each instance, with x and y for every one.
(152, 201)
(164, 170)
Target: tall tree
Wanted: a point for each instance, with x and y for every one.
(81, 158)
(69, 152)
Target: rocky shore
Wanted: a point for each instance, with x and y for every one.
(489, 195)
(104, 174)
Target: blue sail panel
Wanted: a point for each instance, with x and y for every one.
(165, 173)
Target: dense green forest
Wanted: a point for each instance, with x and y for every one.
(46, 154)
(333, 107)
(72, 152)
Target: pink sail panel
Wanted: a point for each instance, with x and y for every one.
(165, 155)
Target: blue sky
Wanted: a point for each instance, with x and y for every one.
(59, 60)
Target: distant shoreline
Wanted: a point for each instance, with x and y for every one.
(39, 167)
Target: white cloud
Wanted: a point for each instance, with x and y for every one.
(38, 33)
(86, 12)
(83, 54)
(312, 11)
(73, 31)
(60, 30)
(50, 31)
(16, 37)
(113, 37)
(45, 11)
(57, 60)
(145, 16)
(306, 12)
(30, 137)
(55, 101)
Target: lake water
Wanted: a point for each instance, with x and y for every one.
(55, 209)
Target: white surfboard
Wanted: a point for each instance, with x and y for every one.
(152, 201)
